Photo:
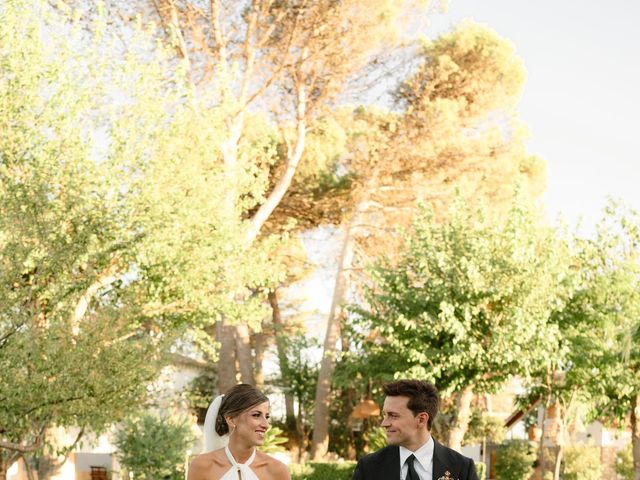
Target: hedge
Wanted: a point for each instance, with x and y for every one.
(322, 471)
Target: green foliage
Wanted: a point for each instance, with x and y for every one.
(322, 471)
(114, 236)
(624, 463)
(484, 427)
(467, 304)
(152, 447)
(73, 348)
(376, 438)
(599, 325)
(601, 321)
(481, 470)
(582, 463)
(273, 440)
(514, 460)
(300, 375)
(199, 391)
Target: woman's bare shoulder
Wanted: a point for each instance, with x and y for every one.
(275, 467)
(202, 465)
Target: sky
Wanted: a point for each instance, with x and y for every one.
(581, 100)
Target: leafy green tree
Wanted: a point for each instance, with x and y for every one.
(599, 325)
(112, 235)
(484, 428)
(152, 447)
(73, 347)
(467, 305)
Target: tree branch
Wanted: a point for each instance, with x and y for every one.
(221, 46)
(276, 195)
(18, 447)
(106, 277)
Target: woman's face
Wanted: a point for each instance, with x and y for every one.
(252, 424)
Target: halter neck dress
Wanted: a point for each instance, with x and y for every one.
(239, 471)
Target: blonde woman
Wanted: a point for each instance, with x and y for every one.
(236, 423)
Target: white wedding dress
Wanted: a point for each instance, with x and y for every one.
(239, 471)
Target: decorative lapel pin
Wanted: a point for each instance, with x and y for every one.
(447, 476)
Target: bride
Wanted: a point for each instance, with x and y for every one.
(236, 423)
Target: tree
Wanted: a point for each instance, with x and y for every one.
(599, 324)
(106, 249)
(287, 59)
(457, 130)
(68, 355)
(467, 306)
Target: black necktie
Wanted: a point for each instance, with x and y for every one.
(411, 473)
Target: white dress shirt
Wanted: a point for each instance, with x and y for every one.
(423, 462)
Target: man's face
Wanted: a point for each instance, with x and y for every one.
(403, 427)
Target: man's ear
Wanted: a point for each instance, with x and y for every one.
(423, 419)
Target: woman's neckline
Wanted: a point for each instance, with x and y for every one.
(233, 460)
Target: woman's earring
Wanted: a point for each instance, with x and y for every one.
(233, 429)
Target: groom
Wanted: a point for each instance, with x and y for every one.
(409, 409)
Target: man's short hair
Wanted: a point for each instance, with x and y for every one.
(423, 396)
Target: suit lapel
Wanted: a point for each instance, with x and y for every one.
(439, 466)
(389, 465)
(442, 462)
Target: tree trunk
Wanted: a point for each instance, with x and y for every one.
(243, 354)
(258, 359)
(284, 182)
(561, 420)
(48, 466)
(227, 357)
(4, 464)
(320, 441)
(463, 415)
(635, 435)
(300, 432)
(556, 471)
(543, 432)
(281, 346)
(28, 469)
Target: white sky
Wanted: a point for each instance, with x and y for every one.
(582, 96)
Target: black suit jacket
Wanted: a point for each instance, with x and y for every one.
(385, 465)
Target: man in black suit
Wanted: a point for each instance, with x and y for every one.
(409, 409)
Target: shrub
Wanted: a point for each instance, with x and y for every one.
(514, 460)
(153, 448)
(582, 463)
(624, 463)
(376, 438)
(273, 440)
(323, 471)
(481, 470)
